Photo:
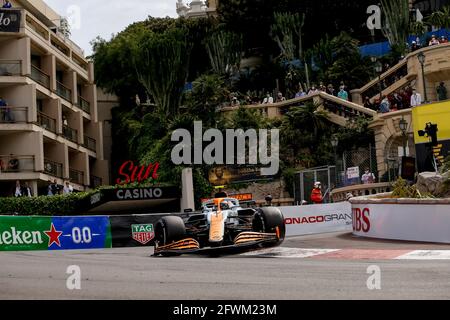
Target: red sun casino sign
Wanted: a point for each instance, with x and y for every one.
(130, 173)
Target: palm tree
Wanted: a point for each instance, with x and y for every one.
(440, 19)
(308, 118)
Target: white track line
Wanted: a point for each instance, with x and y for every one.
(289, 252)
(282, 252)
(426, 255)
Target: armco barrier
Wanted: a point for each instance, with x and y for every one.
(54, 233)
(83, 232)
(95, 232)
(314, 219)
(133, 231)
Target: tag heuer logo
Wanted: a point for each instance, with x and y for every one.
(142, 233)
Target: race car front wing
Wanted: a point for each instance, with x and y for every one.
(245, 241)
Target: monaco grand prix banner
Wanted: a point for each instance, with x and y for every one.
(54, 233)
(324, 218)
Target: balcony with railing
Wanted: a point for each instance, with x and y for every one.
(40, 76)
(90, 143)
(11, 114)
(70, 134)
(63, 91)
(76, 176)
(46, 122)
(10, 68)
(14, 163)
(84, 105)
(53, 168)
(95, 182)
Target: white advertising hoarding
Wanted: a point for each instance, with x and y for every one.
(412, 222)
(314, 219)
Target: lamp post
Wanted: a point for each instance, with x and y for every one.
(404, 128)
(334, 143)
(421, 58)
(379, 70)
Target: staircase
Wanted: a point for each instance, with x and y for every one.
(339, 111)
(396, 78)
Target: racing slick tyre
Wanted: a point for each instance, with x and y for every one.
(267, 220)
(169, 229)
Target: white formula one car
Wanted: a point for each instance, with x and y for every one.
(222, 227)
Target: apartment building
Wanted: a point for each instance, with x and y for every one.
(50, 128)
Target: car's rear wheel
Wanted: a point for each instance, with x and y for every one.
(269, 220)
(169, 229)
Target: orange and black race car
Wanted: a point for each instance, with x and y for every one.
(223, 227)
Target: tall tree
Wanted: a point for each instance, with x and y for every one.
(225, 51)
(396, 25)
(161, 61)
(441, 18)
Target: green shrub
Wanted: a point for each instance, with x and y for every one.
(403, 190)
(61, 205)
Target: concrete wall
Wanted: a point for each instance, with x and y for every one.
(24, 144)
(17, 49)
(21, 96)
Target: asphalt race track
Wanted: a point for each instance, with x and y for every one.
(289, 274)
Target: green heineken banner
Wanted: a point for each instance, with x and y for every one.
(54, 233)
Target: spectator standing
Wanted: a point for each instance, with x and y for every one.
(397, 100)
(235, 102)
(18, 190)
(26, 191)
(316, 194)
(414, 46)
(441, 92)
(368, 104)
(322, 87)
(434, 41)
(385, 105)
(55, 188)
(368, 177)
(343, 94)
(50, 189)
(443, 40)
(330, 90)
(268, 99)
(313, 90)
(5, 111)
(7, 4)
(280, 97)
(68, 189)
(416, 98)
(300, 93)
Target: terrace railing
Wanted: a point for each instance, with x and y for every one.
(76, 176)
(63, 91)
(11, 114)
(40, 76)
(46, 122)
(10, 68)
(70, 134)
(15, 163)
(53, 168)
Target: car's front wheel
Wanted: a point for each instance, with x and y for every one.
(169, 229)
(269, 220)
